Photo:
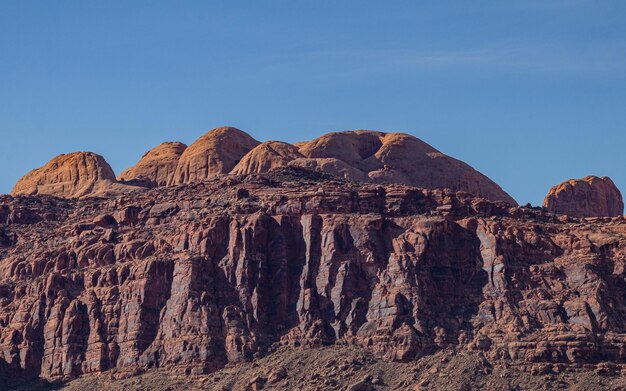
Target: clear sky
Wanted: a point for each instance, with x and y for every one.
(528, 92)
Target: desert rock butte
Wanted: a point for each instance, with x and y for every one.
(590, 196)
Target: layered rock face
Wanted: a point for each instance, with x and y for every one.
(194, 277)
(72, 175)
(215, 153)
(591, 196)
(156, 166)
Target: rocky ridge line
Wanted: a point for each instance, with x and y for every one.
(362, 156)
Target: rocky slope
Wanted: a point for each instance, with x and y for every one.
(591, 196)
(190, 279)
(348, 367)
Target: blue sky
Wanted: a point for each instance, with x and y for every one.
(528, 92)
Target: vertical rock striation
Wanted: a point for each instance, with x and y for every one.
(190, 278)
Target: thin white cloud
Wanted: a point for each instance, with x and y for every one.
(501, 57)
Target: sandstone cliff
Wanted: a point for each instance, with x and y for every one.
(190, 278)
(591, 196)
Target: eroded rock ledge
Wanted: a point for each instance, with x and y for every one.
(193, 277)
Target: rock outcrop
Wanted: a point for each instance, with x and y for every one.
(267, 156)
(156, 166)
(332, 166)
(370, 156)
(190, 278)
(362, 156)
(215, 153)
(70, 175)
(591, 196)
(403, 159)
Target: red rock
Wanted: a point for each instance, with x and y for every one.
(404, 159)
(362, 156)
(591, 196)
(77, 174)
(265, 157)
(332, 166)
(156, 166)
(194, 277)
(215, 153)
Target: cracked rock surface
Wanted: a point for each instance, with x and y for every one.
(198, 278)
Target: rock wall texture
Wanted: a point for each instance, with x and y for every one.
(591, 196)
(193, 277)
(157, 166)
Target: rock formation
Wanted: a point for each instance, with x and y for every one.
(215, 153)
(156, 166)
(369, 156)
(332, 166)
(362, 156)
(403, 159)
(265, 157)
(70, 175)
(190, 278)
(591, 196)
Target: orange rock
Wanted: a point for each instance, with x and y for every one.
(217, 152)
(331, 166)
(352, 146)
(266, 156)
(591, 196)
(403, 159)
(71, 175)
(157, 166)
